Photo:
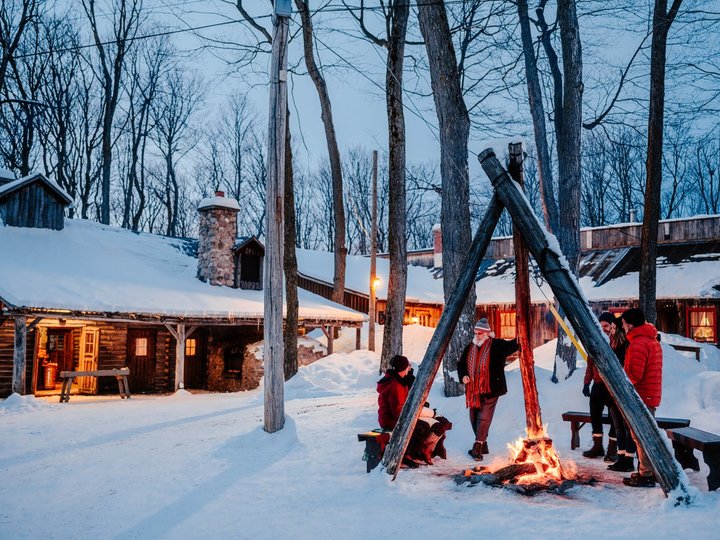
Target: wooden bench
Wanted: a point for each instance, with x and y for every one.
(579, 419)
(120, 374)
(688, 348)
(685, 439)
(375, 442)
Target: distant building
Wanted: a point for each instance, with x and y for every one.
(688, 279)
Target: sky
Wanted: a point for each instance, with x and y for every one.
(200, 465)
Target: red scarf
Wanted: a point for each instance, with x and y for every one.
(479, 371)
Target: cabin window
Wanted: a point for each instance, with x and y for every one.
(249, 267)
(507, 325)
(190, 347)
(234, 358)
(89, 345)
(141, 346)
(702, 323)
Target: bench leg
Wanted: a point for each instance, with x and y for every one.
(712, 460)
(127, 387)
(65, 391)
(575, 434)
(373, 455)
(685, 456)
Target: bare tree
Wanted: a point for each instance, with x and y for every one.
(395, 14)
(339, 248)
(662, 20)
(454, 124)
(179, 95)
(15, 16)
(126, 18)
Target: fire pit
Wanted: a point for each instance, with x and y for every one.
(534, 466)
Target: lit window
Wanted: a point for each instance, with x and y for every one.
(190, 347)
(141, 344)
(702, 324)
(507, 325)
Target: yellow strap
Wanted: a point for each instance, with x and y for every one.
(561, 322)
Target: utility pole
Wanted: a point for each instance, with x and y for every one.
(373, 254)
(273, 352)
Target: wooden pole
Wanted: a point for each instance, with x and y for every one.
(439, 342)
(373, 255)
(551, 261)
(273, 353)
(19, 355)
(533, 415)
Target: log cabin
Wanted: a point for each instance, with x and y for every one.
(178, 312)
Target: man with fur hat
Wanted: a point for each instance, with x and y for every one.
(643, 366)
(481, 369)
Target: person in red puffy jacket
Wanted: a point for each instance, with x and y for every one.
(393, 391)
(643, 366)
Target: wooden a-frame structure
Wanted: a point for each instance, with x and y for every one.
(551, 263)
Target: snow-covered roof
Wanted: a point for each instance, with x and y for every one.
(681, 273)
(320, 265)
(89, 267)
(25, 180)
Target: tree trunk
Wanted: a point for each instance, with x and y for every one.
(397, 282)
(454, 123)
(290, 262)
(662, 19)
(533, 416)
(537, 111)
(338, 294)
(569, 165)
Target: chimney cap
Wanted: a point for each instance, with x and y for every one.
(218, 202)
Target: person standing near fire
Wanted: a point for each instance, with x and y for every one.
(599, 399)
(481, 369)
(643, 366)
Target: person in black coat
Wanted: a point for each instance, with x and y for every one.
(481, 369)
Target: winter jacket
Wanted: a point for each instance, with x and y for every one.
(392, 394)
(592, 373)
(643, 363)
(500, 349)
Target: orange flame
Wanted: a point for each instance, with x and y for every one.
(538, 450)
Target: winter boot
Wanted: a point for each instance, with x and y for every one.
(476, 452)
(625, 463)
(611, 454)
(485, 448)
(640, 480)
(597, 449)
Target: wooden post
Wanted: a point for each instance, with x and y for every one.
(179, 335)
(19, 355)
(551, 261)
(439, 342)
(533, 415)
(373, 255)
(358, 338)
(273, 353)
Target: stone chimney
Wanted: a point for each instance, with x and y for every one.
(437, 245)
(218, 230)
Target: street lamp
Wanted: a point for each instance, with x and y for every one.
(372, 308)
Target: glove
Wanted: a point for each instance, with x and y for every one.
(586, 390)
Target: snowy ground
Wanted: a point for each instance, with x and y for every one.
(188, 466)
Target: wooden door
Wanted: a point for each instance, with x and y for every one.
(141, 359)
(195, 361)
(89, 344)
